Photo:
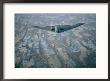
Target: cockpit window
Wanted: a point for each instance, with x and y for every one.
(61, 29)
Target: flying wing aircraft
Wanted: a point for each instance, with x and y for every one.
(59, 28)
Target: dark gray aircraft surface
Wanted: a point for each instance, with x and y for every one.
(59, 28)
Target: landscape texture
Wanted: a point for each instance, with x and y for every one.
(37, 48)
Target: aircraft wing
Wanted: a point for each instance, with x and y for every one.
(60, 28)
(64, 28)
(48, 28)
